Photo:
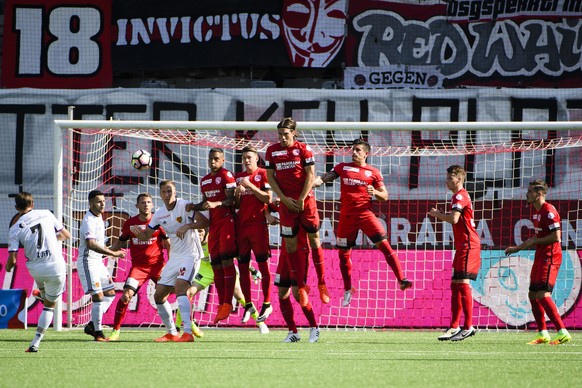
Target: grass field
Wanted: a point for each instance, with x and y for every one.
(237, 358)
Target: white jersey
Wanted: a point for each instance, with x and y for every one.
(171, 221)
(93, 228)
(37, 232)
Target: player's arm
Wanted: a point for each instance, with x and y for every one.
(11, 262)
(554, 237)
(200, 221)
(63, 234)
(93, 245)
(262, 195)
(307, 185)
(381, 194)
(452, 217)
(325, 178)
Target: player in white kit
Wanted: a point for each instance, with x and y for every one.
(39, 232)
(93, 273)
(184, 260)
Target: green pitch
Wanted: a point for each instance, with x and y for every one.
(245, 358)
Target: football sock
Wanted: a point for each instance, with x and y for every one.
(107, 302)
(120, 310)
(165, 312)
(308, 312)
(552, 312)
(185, 312)
(97, 315)
(229, 282)
(287, 312)
(244, 276)
(266, 283)
(467, 303)
(391, 258)
(219, 282)
(297, 271)
(44, 321)
(319, 264)
(455, 305)
(539, 314)
(345, 263)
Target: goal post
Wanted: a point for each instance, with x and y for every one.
(500, 158)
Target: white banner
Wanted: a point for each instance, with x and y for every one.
(393, 76)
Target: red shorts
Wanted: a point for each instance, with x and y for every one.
(139, 275)
(283, 277)
(543, 275)
(308, 218)
(222, 240)
(349, 225)
(466, 264)
(253, 237)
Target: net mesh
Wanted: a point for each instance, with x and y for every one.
(499, 163)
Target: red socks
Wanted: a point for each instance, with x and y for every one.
(245, 280)
(455, 305)
(266, 281)
(552, 311)
(345, 263)
(120, 311)
(467, 303)
(391, 259)
(287, 312)
(319, 264)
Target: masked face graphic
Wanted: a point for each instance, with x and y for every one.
(314, 30)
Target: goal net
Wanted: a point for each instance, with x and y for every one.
(500, 158)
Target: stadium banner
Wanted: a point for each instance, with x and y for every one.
(64, 44)
(392, 76)
(500, 292)
(473, 43)
(13, 311)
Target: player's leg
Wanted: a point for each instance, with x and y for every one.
(137, 276)
(53, 287)
(164, 288)
(189, 267)
(310, 222)
(466, 267)
(284, 281)
(347, 233)
(244, 263)
(102, 296)
(227, 252)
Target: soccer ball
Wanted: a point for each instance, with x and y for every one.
(141, 160)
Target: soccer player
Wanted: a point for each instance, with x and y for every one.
(218, 197)
(204, 278)
(291, 171)
(147, 258)
(547, 261)
(252, 194)
(39, 232)
(184, 260)
(360, 182)
(467, 258)
(93, 274)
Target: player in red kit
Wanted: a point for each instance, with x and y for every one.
(291, 171)
(252, 195)
(147, 258)
(547, 261)
(467, 258)
(218, 197)
(359, 183)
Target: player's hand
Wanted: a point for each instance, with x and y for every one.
(119, 254)
(371, 190)
(238, 191)
(189, 207)
(271, 219)
(256, 274)
(511, 250)
(181, 232)
(433, 212)
(135, 229)
(245, 182)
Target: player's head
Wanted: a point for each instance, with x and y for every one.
(536, 191)
(168, 191)
(250, 158)
(96, 202)
(203, 235)
(215, 158)
(144, 204)
(287, 131)
(455, 177)
(360, 151)
(23, 201)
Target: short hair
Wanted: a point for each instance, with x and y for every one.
(250, 148)
(457, 170)
(167, 182)
(539, 185)
(142, 195)
(364, 143)
(95, 193)
(287, 122)
(216, 149)
(23, 201)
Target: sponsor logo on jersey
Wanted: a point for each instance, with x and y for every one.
(206, 182)
(280, 153)
(351, 169)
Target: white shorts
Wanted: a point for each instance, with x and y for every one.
(53, 286)
(183, 268)
(94, 276)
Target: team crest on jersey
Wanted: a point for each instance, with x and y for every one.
(368, 173)
(257, 178)
(179, 219)
(218, 180)
(551, 216)
(296, 152)
(459, 197)
(229, 174)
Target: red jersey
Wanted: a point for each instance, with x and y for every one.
(289, 165)
(464, 232)
(251, 209)
(354, 186)
(143, 253)
(213, 188)
(546, 221)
